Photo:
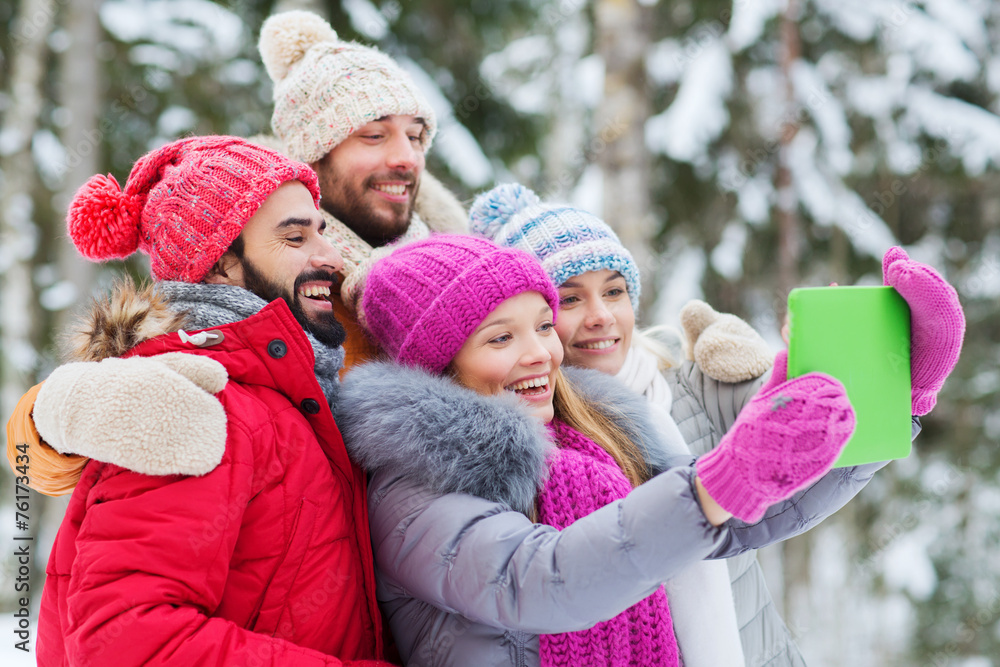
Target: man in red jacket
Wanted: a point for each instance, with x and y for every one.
(239, 538)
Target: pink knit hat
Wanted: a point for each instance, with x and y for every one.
(426, 298)
(183, 204)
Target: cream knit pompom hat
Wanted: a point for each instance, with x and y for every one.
(326, 89)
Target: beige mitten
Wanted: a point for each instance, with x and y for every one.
(725, 347)
(152, 415)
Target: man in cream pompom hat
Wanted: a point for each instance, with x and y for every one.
(357, 117)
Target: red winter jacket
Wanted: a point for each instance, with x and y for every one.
(266, 560)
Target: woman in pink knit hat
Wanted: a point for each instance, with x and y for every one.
(525, 515)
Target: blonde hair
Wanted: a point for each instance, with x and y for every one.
(651, 340)
(582, 415)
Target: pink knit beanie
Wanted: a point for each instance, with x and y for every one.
(426, 298)
(183, 204)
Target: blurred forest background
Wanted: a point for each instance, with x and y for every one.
(739, 147)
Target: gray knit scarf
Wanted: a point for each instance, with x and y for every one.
(215, 305)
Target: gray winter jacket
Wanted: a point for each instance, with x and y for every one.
(464, 577)
(704, 409)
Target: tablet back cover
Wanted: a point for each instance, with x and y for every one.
(861, 336)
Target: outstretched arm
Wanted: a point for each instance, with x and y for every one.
(490, 564)
(480, 559)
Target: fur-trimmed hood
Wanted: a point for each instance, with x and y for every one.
(439, 208)
(131, 315)
(155, 412)
(114, 324)
(450, 439)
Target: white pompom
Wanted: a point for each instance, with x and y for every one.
(285, 38)
(495, 208)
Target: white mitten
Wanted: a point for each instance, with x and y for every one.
(725, 347)
(152, 415)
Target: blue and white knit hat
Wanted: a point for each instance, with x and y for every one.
(567, 241)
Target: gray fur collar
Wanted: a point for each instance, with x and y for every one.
(452, 440)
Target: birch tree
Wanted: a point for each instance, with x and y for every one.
(622, 39)
(19, 233)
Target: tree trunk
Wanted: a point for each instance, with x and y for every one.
(618, 144)
(564, 150)
(796, 553)
(18, 231)
(787, 210)
(80, 93)
(20, 314)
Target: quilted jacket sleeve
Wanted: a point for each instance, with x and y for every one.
(477, 558)
(153, 555)
(812, 505)
(721, 403)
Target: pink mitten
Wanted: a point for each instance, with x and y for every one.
(786, 438)
(937, 324)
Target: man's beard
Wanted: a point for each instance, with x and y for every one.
(328, 331)
(351, 208)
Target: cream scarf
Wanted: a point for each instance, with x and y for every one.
(701, 597)
(359, 256)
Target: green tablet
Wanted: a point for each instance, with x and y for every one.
(861, 336)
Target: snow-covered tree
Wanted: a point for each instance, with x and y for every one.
(820, 132)
(741, 146)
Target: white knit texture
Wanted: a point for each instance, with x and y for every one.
(326, 89)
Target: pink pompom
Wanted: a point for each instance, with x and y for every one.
(103, 221)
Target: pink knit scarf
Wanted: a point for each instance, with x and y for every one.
(583, 478)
